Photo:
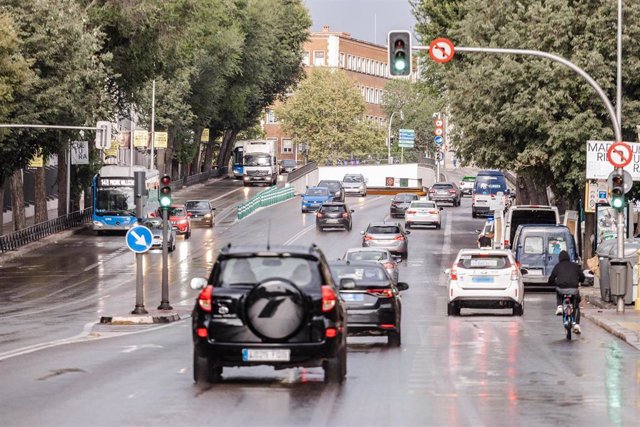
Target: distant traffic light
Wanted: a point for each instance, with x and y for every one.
(618, 201)
(399, 52)
(165, 191)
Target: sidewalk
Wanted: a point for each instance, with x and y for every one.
(625, 326)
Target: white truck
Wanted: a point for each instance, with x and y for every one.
(260, 162)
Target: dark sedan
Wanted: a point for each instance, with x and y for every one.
(334, 215)
(200, 211)
(373, 300)
(335, 188)
(400, 203)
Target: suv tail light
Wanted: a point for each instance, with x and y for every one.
(432, 191)
(514, 272)
(345, 215)
(400, 237)
(367, 237)
(205, 297)
(432, 212)
(452, 191)
(411, 211)
(389, 265)
(381, 292)
(328, 298)
(506, 243)
(319, 214)
(454, 272)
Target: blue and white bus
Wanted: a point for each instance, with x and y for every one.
(114, 204)
(237, 159)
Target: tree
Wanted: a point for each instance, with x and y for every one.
(326, 112)
(530, 115)
(418, 102)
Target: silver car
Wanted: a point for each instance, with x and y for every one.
(155, 225)
(354, 184)
(379, 255)
(388, 235)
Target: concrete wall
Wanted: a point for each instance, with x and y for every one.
(309, 180)
(375, 174)
(427, 175)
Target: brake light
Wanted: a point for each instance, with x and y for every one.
(345, 215)
(432, 191)
(401, 237)
(205, 297)
(452, 191)
(433, 212)
(514, 273)
(454, 272)
(319, 215)
(202, 332)
(410, 211)
(328, 298)
(381, 292)
(330, 332)
(389, 265)
(387, 326)
(506, 243)
(367, 237)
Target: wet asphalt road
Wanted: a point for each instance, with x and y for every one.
(483, 368)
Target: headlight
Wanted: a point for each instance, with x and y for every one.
(182, 221)
(208, 216)
(337, 193)
(98, 224)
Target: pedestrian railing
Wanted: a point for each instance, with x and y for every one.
(268, 197)
(13, 241)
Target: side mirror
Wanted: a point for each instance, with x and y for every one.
(362, 232)
(213, 209)
(407, 232)
(352, 210)
(198, 283)
(347, 283)
(447, 271)
(402, 286)
(524, 271)
(441, 208)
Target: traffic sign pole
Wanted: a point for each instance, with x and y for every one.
(164, 303)
(139, 308)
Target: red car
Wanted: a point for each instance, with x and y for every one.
(179, 219)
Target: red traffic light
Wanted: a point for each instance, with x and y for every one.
(165, 180)
(399, 44)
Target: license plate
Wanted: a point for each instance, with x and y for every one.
(534, 272)
(333, 221)
(482, 279)
(352, 297)
(258, 355)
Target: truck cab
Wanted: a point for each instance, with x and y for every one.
(260, 162)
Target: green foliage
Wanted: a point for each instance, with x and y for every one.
(527, 114)
(326, 112)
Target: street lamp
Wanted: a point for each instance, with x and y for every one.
(389, 135)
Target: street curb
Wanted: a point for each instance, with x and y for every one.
(10, 256)
(613, 328)
(143, 319)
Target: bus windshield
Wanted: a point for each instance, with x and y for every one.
(115, 201)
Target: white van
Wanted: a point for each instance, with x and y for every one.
(527, 214)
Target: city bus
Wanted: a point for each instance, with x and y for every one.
(114, 204)
(237, 159)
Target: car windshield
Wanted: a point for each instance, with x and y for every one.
(384, 229)
(405, 197)
(317, 192)
(482, 261)
(332, 208)
(176, 212)
(249, 271)
(197, 204)
(373, 273)
(257, 160)
(352, 178)
(366, 256)
(329, 185)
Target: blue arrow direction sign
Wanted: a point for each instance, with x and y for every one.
(139, 239)
(438, 140)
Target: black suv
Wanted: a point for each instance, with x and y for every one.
(332, 215)
(274, 306)
(335, 189)
(372, 298)
(200, 211)
(400, 203)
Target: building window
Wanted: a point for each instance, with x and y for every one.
(318, 58)
(380, 69)
(305, 58)
(287, 146)
(271, 116)
(342, 60)
(359, 65)
(350, 62)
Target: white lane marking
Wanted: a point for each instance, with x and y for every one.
(226, 194)
(132, 348)
(446, 248)
(299, 234)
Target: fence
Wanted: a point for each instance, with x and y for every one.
(268, 197)
(11, 242)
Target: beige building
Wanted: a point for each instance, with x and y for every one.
(365, 62)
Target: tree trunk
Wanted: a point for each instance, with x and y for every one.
(41, 214)
(17, 201)
(226, 148)
(208, 155)
(2, 183)
(62, 180)
(530, 192)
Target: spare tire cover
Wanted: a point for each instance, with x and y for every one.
(275, 309)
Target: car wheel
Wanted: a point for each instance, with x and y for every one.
(211, 224)
(473, 214)
(172, 247)
(518, 309)
(394, 338)
(453, 309)
(335, 369)
(405, 255)
(318, 228)
(407, 225)
(438, 226)
(186, 236)
(99, 232)
(204, 370)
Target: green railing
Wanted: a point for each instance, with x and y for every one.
(268, 197)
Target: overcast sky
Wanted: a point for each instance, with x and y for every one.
(368, 20)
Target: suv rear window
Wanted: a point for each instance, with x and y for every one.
(423, 205)
(491, 262)
(442, 186)
(405, 197)
(249, 271)
(384, 229)
(332, 208)
(317, 192)
(366, 256)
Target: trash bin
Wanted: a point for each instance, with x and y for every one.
(607, 251)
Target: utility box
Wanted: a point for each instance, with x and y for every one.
(620, 276)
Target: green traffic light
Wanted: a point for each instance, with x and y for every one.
(617, 202)
(165, 201)
(400, 64)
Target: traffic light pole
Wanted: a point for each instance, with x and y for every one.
(164, 304)
(139, 190)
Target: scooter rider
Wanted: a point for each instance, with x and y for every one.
(567, 275)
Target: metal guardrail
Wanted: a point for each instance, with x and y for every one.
(268, 197)
(13, 241)
(309, 167)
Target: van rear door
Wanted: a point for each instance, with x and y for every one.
(554, 243)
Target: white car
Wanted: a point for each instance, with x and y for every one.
(485, 278)
(422, 212)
